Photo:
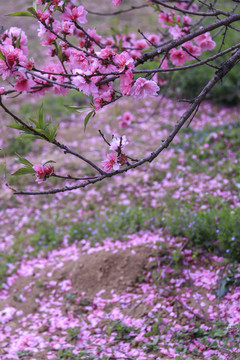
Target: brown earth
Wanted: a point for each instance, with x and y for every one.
(90, 274)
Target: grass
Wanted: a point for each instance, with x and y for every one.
(190, 83)
(224, 338)
(206, 150)
(211, 229)
(54, 105)
(216, 230)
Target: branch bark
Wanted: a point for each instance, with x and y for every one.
(224, 69)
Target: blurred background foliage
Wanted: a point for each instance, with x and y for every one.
(188, 84)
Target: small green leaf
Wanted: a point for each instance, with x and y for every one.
(87, 118)
(40, 117)
(49, 161)
(59, 52)
(47, 6)
(18, 127)
(32, 11)
(44, 132)
(23, 171)
(53, 132)
(20, 13)
(120, 45)
(223, 287)
(34, 121)
(77, 108)
(29, 136)
(2, 57)
(83, 110)
(24, 161)
(18, 41)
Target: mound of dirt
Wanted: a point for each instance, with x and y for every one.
(90, 273)
(105, 270)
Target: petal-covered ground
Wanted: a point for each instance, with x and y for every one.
(144, 266)
(119, 300)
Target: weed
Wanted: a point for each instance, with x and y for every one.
(151, 346)
(24, 353)
(124, 332)
(73, 333)
(215, 230)
(70, 354)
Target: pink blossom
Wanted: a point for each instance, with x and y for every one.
(162, 81)
(126, 119)
(28, 341)
(49, 169)
(118, 143)
(126, 82)
(106, 68)
(106, 53)
(13, 35)
(116, 2)
(110, 163)
(7, 314)
(11, 54)
(65, 285)
(192, 49)
(41, 31)
(42, 16)
(178, 57)
(94, 35)
(205, 41)
(122, 159)
(2, 90)
(141, 44)
(86, 86)
(4, 70)
(43, 172)
(154, 39)
(123, 60)
(176, 32)
(72, 13)
(98, 102)
(40, 169)
(143, 88)
(165, 64)
(163, 17)
(57, 69)
(77, 59)
(49, 39)
(68, 28)
(103, 97)
(25, 63)
(23, 84)
(187, 20)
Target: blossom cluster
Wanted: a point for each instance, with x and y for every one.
(95, 62)
(126, 119)
(179, 26)
(91, 63)
(43, 172)
(118, 157)
(86, 67)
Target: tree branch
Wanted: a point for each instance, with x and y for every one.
(224, 68)
(175, 43)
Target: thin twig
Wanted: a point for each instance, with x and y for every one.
(224, 68)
